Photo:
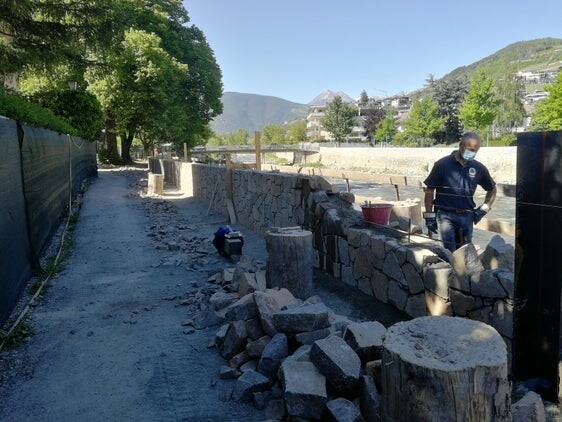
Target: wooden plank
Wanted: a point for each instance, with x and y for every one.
(230, 208)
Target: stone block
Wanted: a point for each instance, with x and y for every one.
(302, 354)
(222, 299)
(369, 399)
(465, 263)
(254, 328)
(244, 308)
(502, 318)
(419, 256)
(234, 339)
(248, 383)
(239, 359)
(485, 284)
(378, 243)
(347, 276)
(529, 409)
(481, 314)
(302, 318)
(391, 267)
(309, 337)
(507, 280)
(416, 306)
(340, 410)
(380, 283)
(436, 279)
(498, 254)
(220, 335)
(304, 389)
(337, 362)
(461, 303)
(228, 373)
(343, 250)
(354, 237)
(251, 365)
(362, 263)
(374, 370)
(255, 347)
(365, 338)
(364, 284)
(273, 354)
(396, 295)
(275, 410)
(413, 279)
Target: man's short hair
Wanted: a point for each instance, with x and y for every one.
(470, 135)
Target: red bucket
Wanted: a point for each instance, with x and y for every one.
(377, 213)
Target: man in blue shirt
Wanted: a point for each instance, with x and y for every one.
(448, 198)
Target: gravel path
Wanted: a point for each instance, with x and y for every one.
(111, 342)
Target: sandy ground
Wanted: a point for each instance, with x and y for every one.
(109, 341)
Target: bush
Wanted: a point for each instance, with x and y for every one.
(79, 108)
(17, 108)
(107, 157)
(506, 140)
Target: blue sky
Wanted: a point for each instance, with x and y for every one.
(295, 49)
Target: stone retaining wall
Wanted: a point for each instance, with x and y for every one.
(416, 278)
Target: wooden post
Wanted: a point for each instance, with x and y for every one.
(290, 261)
(229, 203)
(446, 369)
(257, 140)
(186, 157)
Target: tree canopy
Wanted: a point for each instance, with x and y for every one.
(339, 118)
(480, 106)
(548, 114)
(424, 122)
(152, 72)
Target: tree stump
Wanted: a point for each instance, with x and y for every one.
(155, 184)
(441, 368)
(290, 260)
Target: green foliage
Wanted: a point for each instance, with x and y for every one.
(424, 122)
(296, 132)
(372, 118)
(20, 335)
(240, 137)
(449, 95)
(509, 139)
(480, 106)
(548, 114)
(18, 108)
(510, 108)
(273, 134)
(387, 127)
(339, 119)
(106, 156)
(80, 108)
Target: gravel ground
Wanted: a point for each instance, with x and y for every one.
(111, 340)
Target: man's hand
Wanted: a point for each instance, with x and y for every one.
(430, 222)
(480, 212)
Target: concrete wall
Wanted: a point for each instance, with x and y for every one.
(412, 276)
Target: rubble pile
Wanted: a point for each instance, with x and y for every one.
(293, 358)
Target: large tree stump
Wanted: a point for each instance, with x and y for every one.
(155, 184)
(290, 260)
(441, 368)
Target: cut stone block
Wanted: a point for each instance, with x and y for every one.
(255, 347)
(244, 308)
(304, 389)
(365, 338)
(248, 383)
(309, 337)
(436, 279)
(485, 284)
(342, 410)
(254, 328)
(302, 318)
(337, 362)
(239, 359)
(416, 306)
(222, 299)
(465, 263)
(273, 354)
(498, 254)
(529, 409)
(234, 339)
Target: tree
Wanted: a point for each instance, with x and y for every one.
(240, 137)
(363, 99)
(273, 134)
(297, 132)
(449, 95)
(510, 108)
(141, 88)
(424, 122)
(372, 118)
(548, 114)
(387, 127)
(339, 118)
(480, 106)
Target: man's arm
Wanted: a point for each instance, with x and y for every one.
(490, 197)
(428, 199)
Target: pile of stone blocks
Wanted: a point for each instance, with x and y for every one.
(294, 358)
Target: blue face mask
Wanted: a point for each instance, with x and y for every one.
(468, 155)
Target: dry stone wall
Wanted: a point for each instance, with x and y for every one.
(415, 278)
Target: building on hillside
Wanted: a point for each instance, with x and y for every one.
(400, 104)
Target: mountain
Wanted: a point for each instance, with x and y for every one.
(252, 112)
(327, 96)
(543, 55)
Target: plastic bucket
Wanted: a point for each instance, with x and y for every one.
(377, 213)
